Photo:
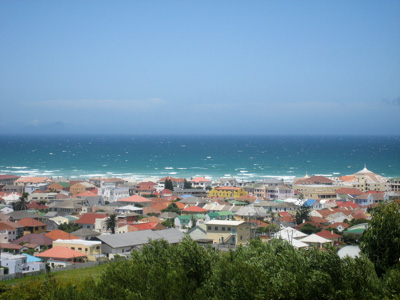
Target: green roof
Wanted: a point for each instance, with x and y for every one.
(64, 184)
(199, 216)
(185, 217)
(236, 202)
(358, 230)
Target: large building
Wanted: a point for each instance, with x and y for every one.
(365, 181)
(227, 192)
(228, 232)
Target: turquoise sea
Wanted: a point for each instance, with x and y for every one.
(243, 157)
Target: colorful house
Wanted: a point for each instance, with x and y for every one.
(32, 226)
(227, 192)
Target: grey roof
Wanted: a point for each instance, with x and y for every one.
(51, 214)
(137, 238)
(193, 200)
(168, 215)
(274, 204)
(22, 214)
(251, 211)
(85, 232)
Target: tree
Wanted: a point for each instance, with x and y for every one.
(169, 185)
(21, 204)
(302, 214)
(187, 184)
(111, 222)
(309, 228)
(381, 239)
(172, 208)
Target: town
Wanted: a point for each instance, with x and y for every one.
(57, 223)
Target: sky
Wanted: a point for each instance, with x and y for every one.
(200, 67)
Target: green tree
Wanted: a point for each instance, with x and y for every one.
(169, 185)
(172, 208)
(302, 214)
(309, 228)
(187, 184)
(21, 204)
(381, 240)
(111, 222)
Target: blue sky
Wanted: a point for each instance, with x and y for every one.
(200, 67)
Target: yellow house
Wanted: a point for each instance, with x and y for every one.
(227, 192)
(92, 249)
(228, 232)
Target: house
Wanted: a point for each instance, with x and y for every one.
(91, 198)
(85, 233)
(62, 256)
(88, 220)
(313, 204)
(200, 182)
(176, 182)
(193, 210)
(8, 179)
(58, 186)
(279, 192)
(34, 238)
(148, 226)
(227, 192)
(61, 235)
(127, 209)
(136, 200)
(7, 233)
(81, 187)
(228, 232)
(91, 249)
(316, 240)
(32, 226)
(330, 235)
(364, 199)
(124, 243)
(276, 206)
(250, 212)
(198, 232)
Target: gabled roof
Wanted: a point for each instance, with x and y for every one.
(134, 199)
(328, 234)
(85, 232)
(194, 209)
(34, 238)
(199, 179)
(146, 226)
(29, 222)
(348, 191)
(60, 253)
(86, 194)
(61, 235)
(313, 238)
(31, 179)
(90, 218)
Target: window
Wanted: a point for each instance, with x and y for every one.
(216, 228)
(98, 247)
(223, 228)
(73, 248)
(229, 229)
(208, 227)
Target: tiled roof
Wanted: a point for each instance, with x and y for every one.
(90, 218)
(34, 238)
(194, 209)
(135, 199)
(199, 179)
(60, 253)
(29, 222)
(10, 246)
(328, 234)
(318, 220)
(2, 177)
(86, 194)
(61, 235)
(337, 224)
(4, 226)
(32, 179)
(145, 226)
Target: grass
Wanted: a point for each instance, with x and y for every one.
(70, 275)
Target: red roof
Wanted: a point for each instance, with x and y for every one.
(347, 204)
(58, 234)
(195, 209)
(90, 218)
(328, 234)
(29, 222)
(36, 205)
(60, 253)
(288, 218)
(4, 226)
(337, 224)
(172, 179)
(199, 179)
(86, 194)
(145, 226)
(8, 177)
(135, 199)
(318, 220)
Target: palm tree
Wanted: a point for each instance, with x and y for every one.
(111, 222)
(21, 204)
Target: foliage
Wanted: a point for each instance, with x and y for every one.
(21, 204)
(187, 184)
(169, 185)
(272, 270)
(112, 222)
(351, 239)
(169, 223)
(70, 227)
(172, 208)
(381, 240)
(358, 221)
(309, 228)
(302, 214)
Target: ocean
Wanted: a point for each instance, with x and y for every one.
(242, 157)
